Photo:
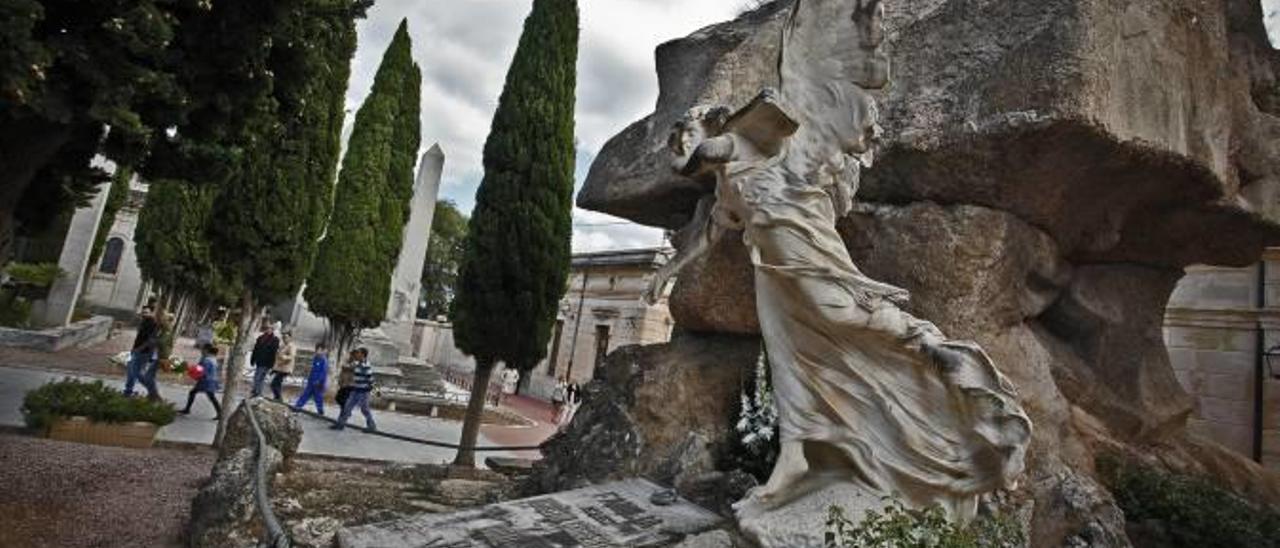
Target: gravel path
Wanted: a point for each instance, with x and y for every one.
(73, 495)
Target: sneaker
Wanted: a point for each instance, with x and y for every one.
(371, 429)
(185, 411)
(336, 427)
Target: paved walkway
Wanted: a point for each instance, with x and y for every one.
(317, 439)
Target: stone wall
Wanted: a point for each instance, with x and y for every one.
(122, 292)
(1211, 329)
(82, 333)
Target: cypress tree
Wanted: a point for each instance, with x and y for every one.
(350, 283)
(268, 215)
(517, 249)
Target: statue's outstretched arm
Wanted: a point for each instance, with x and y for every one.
(698, 237)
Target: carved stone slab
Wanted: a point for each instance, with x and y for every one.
(615, 514)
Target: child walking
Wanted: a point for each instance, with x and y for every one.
(316, 380)
(362, 385)
(208, 382)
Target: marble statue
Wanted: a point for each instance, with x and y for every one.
(867, 394)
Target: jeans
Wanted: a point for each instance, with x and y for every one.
(312, 392)
(277, 383)
(358, 398)
(259, 375)
(141, 368)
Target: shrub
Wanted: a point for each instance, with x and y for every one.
(1192, 510)
(94, 400)
(15, 311)
(36, 274)
(899, 527)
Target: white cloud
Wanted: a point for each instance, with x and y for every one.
(464, 48)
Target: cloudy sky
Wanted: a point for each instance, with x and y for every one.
(464, 48)
(1271, 11)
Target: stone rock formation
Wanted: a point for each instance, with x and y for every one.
(223, 511)
(1046, 171)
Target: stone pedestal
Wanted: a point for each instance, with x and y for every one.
(382, 350)
(56, 309)
(803, 522)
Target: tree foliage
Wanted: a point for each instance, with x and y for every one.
(68, 69)
(350, 283)
(268, 215)
(517, 249)
(172, 249)
(444, 257)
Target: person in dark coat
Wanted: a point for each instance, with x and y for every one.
(263, 357)
(145, 346)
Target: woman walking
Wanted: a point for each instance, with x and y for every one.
(284, 365)
(208, 381)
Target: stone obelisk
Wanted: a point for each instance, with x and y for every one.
(406, 280)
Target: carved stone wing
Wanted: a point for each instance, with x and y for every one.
(830, 57)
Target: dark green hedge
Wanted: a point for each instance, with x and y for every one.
(95, 400)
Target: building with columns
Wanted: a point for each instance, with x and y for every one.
(600, 311)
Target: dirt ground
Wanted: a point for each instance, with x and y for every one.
(76, 495)
(317, 496)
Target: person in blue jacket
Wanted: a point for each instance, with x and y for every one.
(208, 383)
(316, 380)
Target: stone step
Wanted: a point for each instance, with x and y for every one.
(614, 514)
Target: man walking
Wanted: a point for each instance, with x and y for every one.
(263, 357)
(361, 389)
(145, 346)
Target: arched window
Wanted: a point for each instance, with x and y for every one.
(111, 256)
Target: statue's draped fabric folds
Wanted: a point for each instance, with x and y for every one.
(866, 392)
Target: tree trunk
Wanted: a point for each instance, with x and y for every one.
(248, 321)
(475, 411)
(25, 146)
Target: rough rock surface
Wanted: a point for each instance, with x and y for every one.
(224, 512)
(280, 426)
(659, 411)
(1047, 170)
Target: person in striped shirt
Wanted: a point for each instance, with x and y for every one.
(361, 390)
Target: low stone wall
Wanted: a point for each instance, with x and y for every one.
(81, 333)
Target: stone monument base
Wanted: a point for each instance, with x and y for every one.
(382, 350)
(802, 523)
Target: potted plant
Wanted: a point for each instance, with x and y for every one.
(91, 412)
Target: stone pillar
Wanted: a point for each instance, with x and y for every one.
(56, 309)
(406, 282)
